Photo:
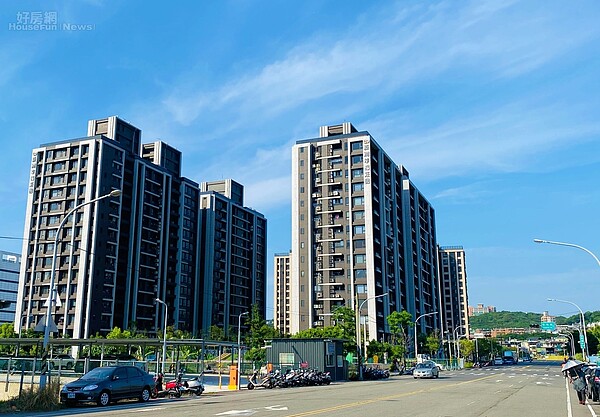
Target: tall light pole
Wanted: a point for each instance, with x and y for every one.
(416, 344)
(239, 362)
(52, 295)
(358, 338)
(456, 342)
(164, 349)
(568, 244)
(583, 351)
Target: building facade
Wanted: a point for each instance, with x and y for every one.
(9, 281)
(281, 285)
(117, 255)
(233, 254)
(454, 301)
(361, 233)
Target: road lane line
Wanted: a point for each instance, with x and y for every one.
(569, 412)
(591, 410)
(386, 398)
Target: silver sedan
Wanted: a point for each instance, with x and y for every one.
(426, 369)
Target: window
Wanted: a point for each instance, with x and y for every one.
(358, 201)
(359, 230)
(361, 289)
(358, 215)
(301, 176)
(359, 243)
(357, 173)
(360, 259)
(356, 146)
(360, 273)
(357, 159)
(302, 190)
(358, 186)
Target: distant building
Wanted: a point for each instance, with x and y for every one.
(454, 301)
(10, 264)
(282, 282)
(480, 309)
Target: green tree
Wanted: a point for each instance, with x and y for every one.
(255, 338)
(467, 347)
(7, 331)
(432, 343)
(400, 322)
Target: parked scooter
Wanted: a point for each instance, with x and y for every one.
(266, 382)
(175, 387)
(158, 390)
(193, 386)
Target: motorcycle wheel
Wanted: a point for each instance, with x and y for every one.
(250, 386)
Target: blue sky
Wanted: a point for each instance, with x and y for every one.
(493, 107)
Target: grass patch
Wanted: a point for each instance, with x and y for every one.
(34, 399)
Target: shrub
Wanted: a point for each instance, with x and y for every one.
(34, 399)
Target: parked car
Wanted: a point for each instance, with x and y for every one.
(427, 369)
(62, 361)
(498, 361)
(107, 384)
(592, 376)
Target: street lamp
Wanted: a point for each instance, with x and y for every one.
(164, 350)
(52, 295)
(583, 351)
(239, 364)
(571, 340)
(358, 338)
(456, 343)
(422, 315)
(568, 244)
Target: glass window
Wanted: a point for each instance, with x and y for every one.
(358, 186)
(357, 159)
(356, 146)
(360, 273)
(357, 173)
(359, 230)
(359, 243)
(360, 259)
(358, 215)
(358, 201)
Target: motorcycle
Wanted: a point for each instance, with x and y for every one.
(193, 386)
(175, 387)
(158, 390)
(253, 382)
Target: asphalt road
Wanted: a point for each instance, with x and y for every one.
(536, 389)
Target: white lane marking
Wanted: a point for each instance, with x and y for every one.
(591, 410)
(237, 413)
(276, 408)
(146, 409)
(569, 412)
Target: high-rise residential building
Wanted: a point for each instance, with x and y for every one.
(232, 254)
(281, 285)
(9, 282)
(117, 255)
(454, 301)
(360, 229)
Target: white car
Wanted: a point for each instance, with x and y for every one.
(498, 361)
(427, 369)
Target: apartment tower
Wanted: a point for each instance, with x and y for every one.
(9, 282)
(360, 229)
(454, 303)
(232, 256)
(117, 255)
(282, 283)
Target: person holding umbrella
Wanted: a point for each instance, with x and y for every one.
(572, 368)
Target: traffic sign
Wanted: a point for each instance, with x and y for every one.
(548, 326)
